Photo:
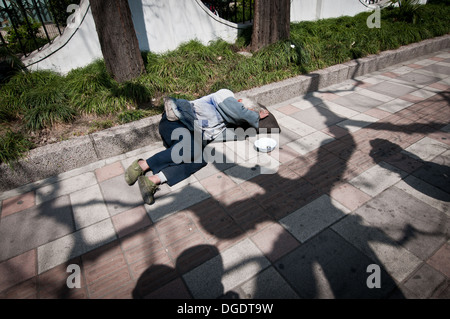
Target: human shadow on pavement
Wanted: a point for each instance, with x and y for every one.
(158, 275)
(329, 259)
(432, 172)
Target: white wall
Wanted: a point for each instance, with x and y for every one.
(77, 47)
(310, 10)
(162, 25)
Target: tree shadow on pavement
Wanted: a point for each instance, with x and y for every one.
(334, 245)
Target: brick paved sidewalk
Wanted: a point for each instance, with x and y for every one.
(361, 177)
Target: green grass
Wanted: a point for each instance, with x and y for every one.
(38, 100)
(13, 146)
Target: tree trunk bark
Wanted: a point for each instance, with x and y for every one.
(118, 39)
(271, 22)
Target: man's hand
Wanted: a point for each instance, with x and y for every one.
(263, 114)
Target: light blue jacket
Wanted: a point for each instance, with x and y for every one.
(213, 115)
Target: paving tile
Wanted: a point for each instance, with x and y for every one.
(218, 228)
(313, 218)
(109, 171)
(425, 281)
(307, 102)
(88, 206)
(425, 192)
(438, 86)
(426, 149)
(335, 131)
(415, 225)
(25, 290)
(224, 272)
(418, 78)
(376, 95)
(403, 162)
(109, 283)
(143, 245)
(217, 183)
(131, 221)
(357, 122)
(349, 196)
(102, 261)
(412, 98)
(175, 228)
(358, 102)
(250, 217)
(377, 179)
(329, 267)
(377, 245)
(17, 269)
(317, 117)
(120, 197)
(124, 291)
(336, 110)
(35, 226)
(425, 62)
(191, 252)
(274, 241)
(65, 187)
(377, 113)
(288, 109)
(390, 74)
(285, 154)
(243, 151)
(437, 68)
(395, 105)
(441, 260)
(176, 289)
(310, 142)
(423, 93)
(152, 276)
(52, 284)
(297, 126)
(286, 136)
(392, 89)
(243, 171)
(17, 203)
(75, 244)
(268, 284)
(442, 292)
(436, 174)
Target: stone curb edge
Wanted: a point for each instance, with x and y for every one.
(54, 159)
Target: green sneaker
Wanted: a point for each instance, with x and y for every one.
(133, 172)
(148, 189)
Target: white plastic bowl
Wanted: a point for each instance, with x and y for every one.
(265, 144)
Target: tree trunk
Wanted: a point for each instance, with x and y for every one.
(271, 22)
(118, 40)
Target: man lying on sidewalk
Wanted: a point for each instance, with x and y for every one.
(207, 117)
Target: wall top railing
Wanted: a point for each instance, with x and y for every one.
(28, 25)
(238, 11)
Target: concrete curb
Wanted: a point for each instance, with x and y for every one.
(50, 160)
(284, 90)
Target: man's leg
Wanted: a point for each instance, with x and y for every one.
(163, 165)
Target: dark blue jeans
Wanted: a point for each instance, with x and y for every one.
(163, 161)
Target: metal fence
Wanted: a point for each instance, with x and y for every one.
(238, 11)
(27, 25)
